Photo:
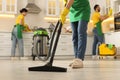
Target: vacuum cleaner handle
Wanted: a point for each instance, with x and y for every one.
(59, 28)
(53, 36)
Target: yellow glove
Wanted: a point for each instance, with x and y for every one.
(63, 15)
(110, 12)
(26, 28)
(65, 2)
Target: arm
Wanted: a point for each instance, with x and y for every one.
(103, 17)
(66, 11)
(69, 4)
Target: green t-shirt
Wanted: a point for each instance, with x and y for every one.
(80, 10)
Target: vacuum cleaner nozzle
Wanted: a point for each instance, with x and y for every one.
(48, 69)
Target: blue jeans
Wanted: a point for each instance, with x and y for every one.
(97, 39)
(16, 41)
(79, 34)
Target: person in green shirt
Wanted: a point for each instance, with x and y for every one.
(79, 18)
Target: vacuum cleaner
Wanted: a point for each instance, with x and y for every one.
(40, 44)
(53, 46)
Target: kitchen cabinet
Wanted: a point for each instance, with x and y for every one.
(113, 38)
(5, 44)
(8, 6)
(54, 7)
(115, 4)
(11, 6)
(65, 46)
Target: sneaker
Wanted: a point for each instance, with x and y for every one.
(23, 58)
(95, 57)
(78, 63)
(14, 58)
(71, 63)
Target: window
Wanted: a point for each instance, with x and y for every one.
(61, 6)
(108, 6)
(1, 5)
(11, 6)
(54, 7)
(8, 6)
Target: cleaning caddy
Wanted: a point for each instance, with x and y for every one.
(107, 50)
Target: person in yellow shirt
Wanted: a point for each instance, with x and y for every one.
(98, 35)
(17, 34)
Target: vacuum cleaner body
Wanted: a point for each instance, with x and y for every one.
(40, 44)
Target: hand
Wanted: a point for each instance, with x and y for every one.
(110, 12)
(65, 2)
(26, 28)
(63, 15)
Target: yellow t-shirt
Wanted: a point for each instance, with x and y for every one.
(19, 18)
(96, 17)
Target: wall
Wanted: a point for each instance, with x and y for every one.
(6, 24)
(102, 4)
(38, 19)
(116, 4)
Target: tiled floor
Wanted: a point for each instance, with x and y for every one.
(93, 70)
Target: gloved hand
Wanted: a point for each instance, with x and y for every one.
(26, 28)
(63, 15)
(110, 12)
(65, 2)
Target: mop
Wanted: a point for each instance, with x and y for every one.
(53, 45)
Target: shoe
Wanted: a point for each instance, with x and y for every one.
(71, 63)
(95, 57)
(23, 58)
(77, 63)
(14, 58)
